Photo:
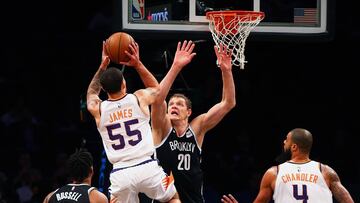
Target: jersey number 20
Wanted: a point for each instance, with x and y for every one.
(129, 132)
(184, 162)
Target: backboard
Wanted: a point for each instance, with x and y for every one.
(295, 18)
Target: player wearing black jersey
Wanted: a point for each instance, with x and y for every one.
(179, 141)
(80, 172)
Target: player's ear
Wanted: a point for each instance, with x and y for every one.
(189, 112)
(91, 172)
(123, 83)
(293, 147)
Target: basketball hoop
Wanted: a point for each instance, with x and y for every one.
(231, 29)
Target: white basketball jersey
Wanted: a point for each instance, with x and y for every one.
(301, 183)
(125, 132)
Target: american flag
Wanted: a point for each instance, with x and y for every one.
(305, 15)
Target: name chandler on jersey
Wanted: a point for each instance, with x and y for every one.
(68, 195)
(120, 114)
(182, 146)
(306, 177)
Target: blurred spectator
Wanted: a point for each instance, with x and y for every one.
(27, 180)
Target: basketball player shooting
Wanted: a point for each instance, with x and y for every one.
(123, 124)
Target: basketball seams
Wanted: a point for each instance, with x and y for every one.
(116, 45)
(119, 48)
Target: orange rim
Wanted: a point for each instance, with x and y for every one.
(254, 14)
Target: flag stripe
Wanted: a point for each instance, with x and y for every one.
(305, 15)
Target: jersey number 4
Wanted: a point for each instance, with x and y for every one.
(136, 134)
(304, 197)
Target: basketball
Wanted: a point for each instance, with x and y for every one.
(116, 45)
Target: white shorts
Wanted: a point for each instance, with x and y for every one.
(148, 178)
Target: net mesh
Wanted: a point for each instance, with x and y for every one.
(232, 29)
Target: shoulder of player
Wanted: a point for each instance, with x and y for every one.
(148, 90)
(46, 200)
(269, 178)
(272, 171)
(97, 196)
(145, 94)
(329, 174)
(197, 123)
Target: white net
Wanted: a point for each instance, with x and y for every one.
(231, 28)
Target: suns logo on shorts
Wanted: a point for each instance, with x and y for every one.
(167, 180)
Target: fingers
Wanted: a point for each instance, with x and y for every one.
(192, 55)
(104, 51)
(189, 44)
(223, 50)
(134, 47)
(107, 60)
(232, 197)
(128, 54)
(186, 46)
(217, 50)
(228, 199)
(178, 46)
(191, 47)
(183, 47)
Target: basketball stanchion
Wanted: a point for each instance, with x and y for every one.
(231, 29)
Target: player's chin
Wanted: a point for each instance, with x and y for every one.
(174, 117)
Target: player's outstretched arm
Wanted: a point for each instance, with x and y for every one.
(93, 91)
(208, 120)
(340, 193)
(147, 78)
(183, 56)
(160, 122)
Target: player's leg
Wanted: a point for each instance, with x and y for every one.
(121, 187)
(158, 185)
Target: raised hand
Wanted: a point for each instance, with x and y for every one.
(228, 199)
(184, 53)
(134, 56)
(105, 60)
(223, 55)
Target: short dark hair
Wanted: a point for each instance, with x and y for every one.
(79, 165)
(303, 138)
(111, 80)
(187, 100)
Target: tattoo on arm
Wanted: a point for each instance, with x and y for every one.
(95, 86)
(339, 191)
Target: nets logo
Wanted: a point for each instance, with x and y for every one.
(138, 9)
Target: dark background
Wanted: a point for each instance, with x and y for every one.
(50, 51)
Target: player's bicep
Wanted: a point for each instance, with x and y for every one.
(339, 191)
(266, 189)
(159, 118)
(211, 118)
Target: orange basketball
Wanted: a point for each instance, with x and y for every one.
(116, 45)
